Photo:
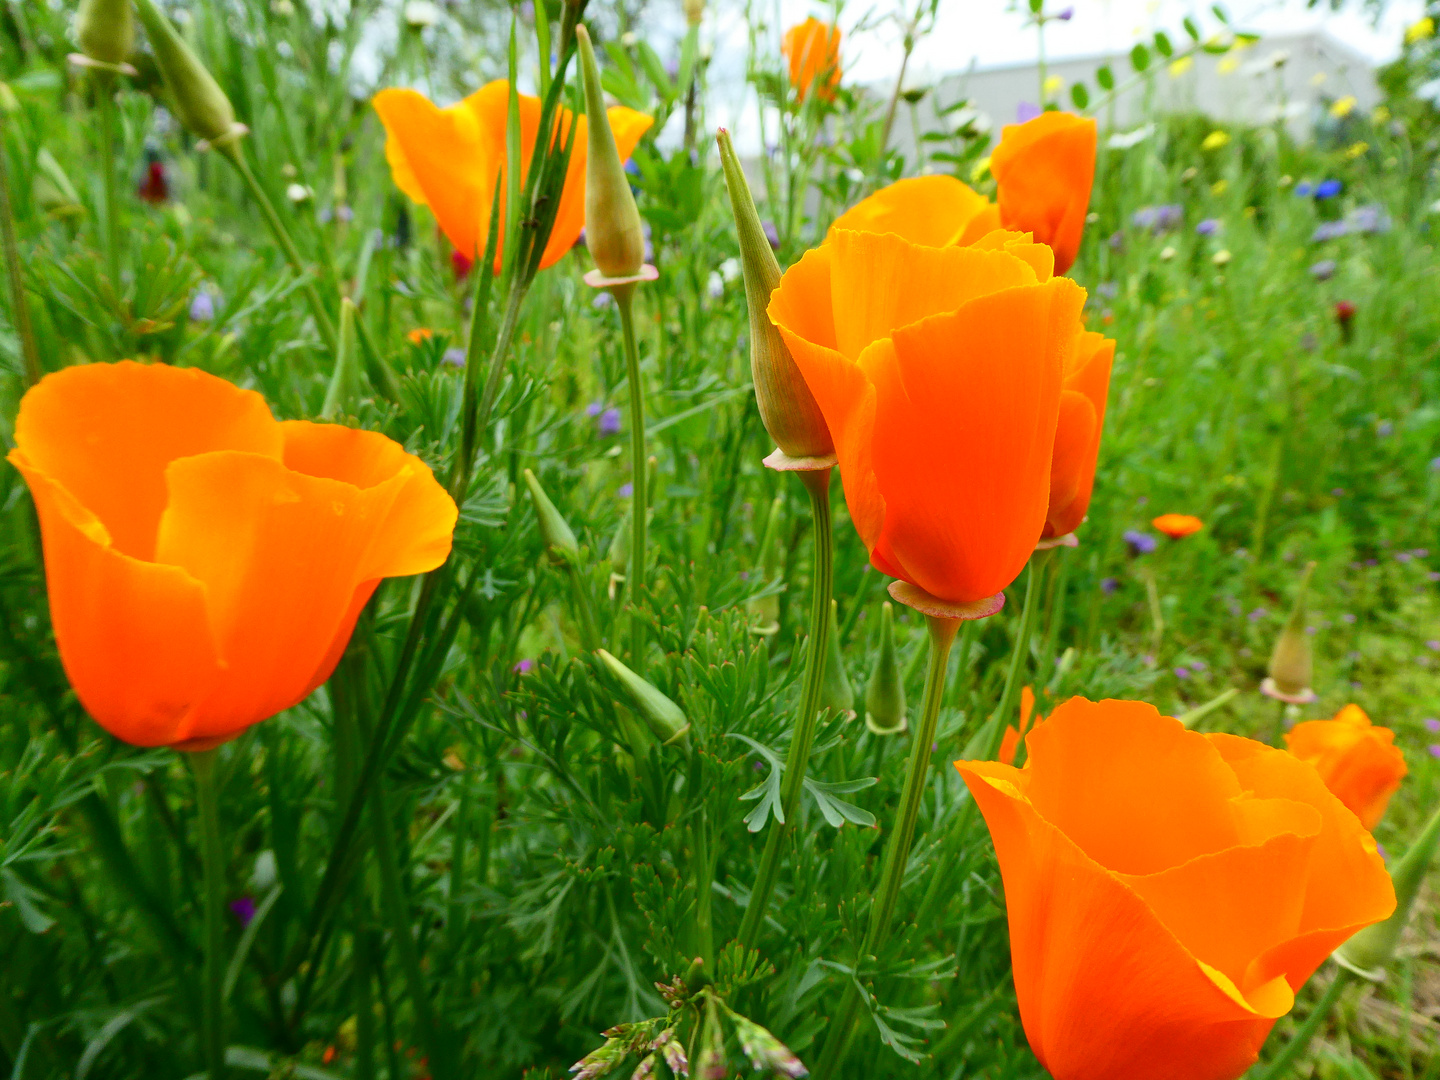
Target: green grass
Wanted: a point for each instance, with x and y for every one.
(1235, 397)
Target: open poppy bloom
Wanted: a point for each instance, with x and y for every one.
(1077, 435)
(1167, 891)
(1358, 761)
(1043, 171)
(1178, 526)
(936, 211)
(813, 49)
(206, 563)
(1010, 742)
(450, 160)
(938, 372)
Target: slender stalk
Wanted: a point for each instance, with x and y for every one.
(704, 875)
(235, 154)
(18, 304)
(1280, 1065)
(640, 488)
(213, 858)
(365, 1034)
(453, 919)
(817, 483)
(1157, 614)
(105, 107)
(897, 849)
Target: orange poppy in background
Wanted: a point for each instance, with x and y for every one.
(1010, 742)
(450, 160)
(1043, 170)
(936, 211)
(938, 372)
(1178, 526)
(813, 49)
(205, 562)
(1077, 435)
(1167, 891)
(1358, 761)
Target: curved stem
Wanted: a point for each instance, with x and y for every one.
(1298, 1043)
(236, 156)
(639, 478)
(817, 483)
(213, 860)
(20, 307)
(105, 106)
(897, 849)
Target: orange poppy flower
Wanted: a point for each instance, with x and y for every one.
(450, 160)
(1077, 435)
(1010, 742)
(1358, 761)
(935, 210)
(938, 372)
(813, 49)
(1043, 171)
(206, 563)
(419, 334)
(1178, 526)
(1167, 891)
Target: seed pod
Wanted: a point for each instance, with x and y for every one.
(885, 696)
(787, 407)
(200, 105)
(554, 529)
(1292, 662)
(1370, 950)
(835, 691)
(344, 390)
(664, 718)
(105, 30)
(612, 223)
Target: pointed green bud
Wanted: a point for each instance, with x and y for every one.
(1370, 949)
(787, 408)
(885, 696)
(200, 105)
(1292, 663)
(619, 553)
(662, 715)
(765, 612)
(105, 30)
(51, 188)
(835, 690)
(554, 530)
(344, 390)
(612, 223)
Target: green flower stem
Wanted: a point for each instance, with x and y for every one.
(1282, 1062)
(20, 308)
(704, 876)
(817, 483)
(213, 859)
(640, 488)
(897, 849)
(105, 107)
(235, 154)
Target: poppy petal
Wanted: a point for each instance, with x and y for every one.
(932, 211)
(628, 127)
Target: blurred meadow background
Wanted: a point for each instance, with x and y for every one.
(1270, 276)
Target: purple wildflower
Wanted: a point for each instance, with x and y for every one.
(602, 301)
(244, 909)
(610, 422)
(1328, 189)
(1141, 543)
(1198, 665)
(772, 234)
(1371, 218)
(1209, 227)
(1182, 673)
(1433, 645)
(1027, 111)
(594, 409)
(202, 307)
(1329, 230)
(1434, 750)
(1066, 14)
(1431, 724)
(626, 490)
(1117, 241)
(1323, 270)
(1258, 614)
(1304, 189)
(454, 356)
(522, 666)
(1108, 585)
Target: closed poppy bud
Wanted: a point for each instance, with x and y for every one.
(612, 222)
(1178, 526)
(1168, 892)
(1043, 170)
(925, 361)
(205, 562)
(105, 30)
(664, 718)
(787, 407)
(694, 11)
(554, 529)
(1370, 950)
(813, 51)
(836, 693)
(450, 160)
(200, 105)
(1358, 761)
(1077, 433)
(885, 696)
(1291, 663)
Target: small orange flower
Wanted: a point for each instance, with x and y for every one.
(1358, 761)
(938, 372)
(1010, 743)
(1167, 891)
(450, 160)
(206, 563)
(1043, 171)
(419, 334)
(1077, 435)
(1178, 526)
(813, 49)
